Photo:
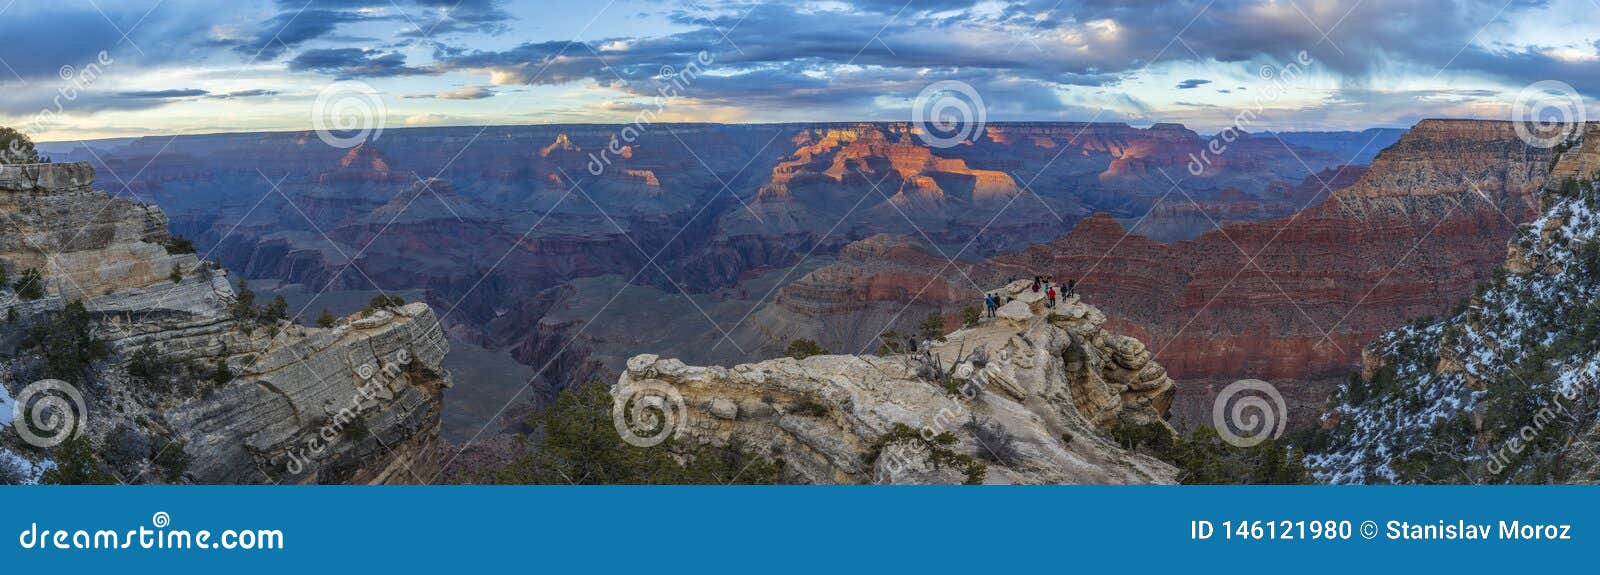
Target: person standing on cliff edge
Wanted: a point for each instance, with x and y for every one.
(1072, 287)
(1050, 295)
(989, 303)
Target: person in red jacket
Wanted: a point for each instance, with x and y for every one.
(1050, 294)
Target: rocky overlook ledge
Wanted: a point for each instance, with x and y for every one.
(170, 358)
(1029, 393)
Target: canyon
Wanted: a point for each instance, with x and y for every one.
(520, 236)
(720, 244)
(1289, 300)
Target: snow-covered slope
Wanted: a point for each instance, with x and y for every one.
(1504, 389)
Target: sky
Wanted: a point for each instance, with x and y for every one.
(81, 69)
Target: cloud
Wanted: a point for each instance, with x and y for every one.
(37, 39)
(287, 30)
(163, 94)
(353, 62)
(467, 93)
(458, 16)
(296, 25)
(830, 59)
(245, 94)
(427, 119)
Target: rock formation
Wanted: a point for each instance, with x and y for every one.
(1031, 392)
(1289, 300)
(1293, 300)
(873, 285)
(248, 400)
(1506, 387)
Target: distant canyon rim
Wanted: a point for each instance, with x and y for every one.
(719, 244)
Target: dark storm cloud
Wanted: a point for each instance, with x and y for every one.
(1192, 83)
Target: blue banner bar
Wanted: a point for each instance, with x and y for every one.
(794, 529)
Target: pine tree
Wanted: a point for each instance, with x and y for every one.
(75, 465)
(803, 348)
(31, 285)
(932, 328)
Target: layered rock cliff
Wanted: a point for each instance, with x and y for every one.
(1027, 395)
(172, 358)
(880, 283)
(1505, 388)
